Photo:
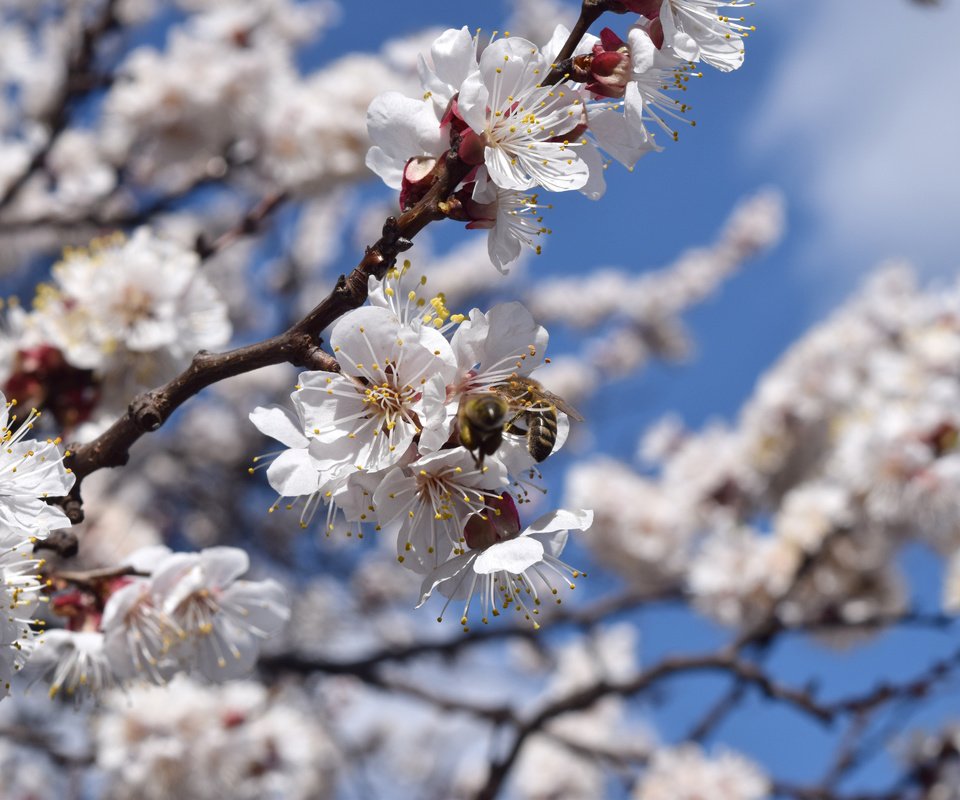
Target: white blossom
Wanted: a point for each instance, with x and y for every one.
(222, 618)
(521, 121)
(392, 386)
(138, 634)
(30, 472)
(19, 592)
(686, 773)
(432, 498)
(206, 742)
(700, 30)
(503, 564)
(133, 309)
(74, 662)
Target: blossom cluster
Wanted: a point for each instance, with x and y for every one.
(195, 740)
(30, 472)
(161, 613)
(432, 423)
(520, 120)
(846, 452)
(118, 317)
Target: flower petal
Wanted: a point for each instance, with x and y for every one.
(513, 556)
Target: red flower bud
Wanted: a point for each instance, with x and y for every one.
(499, 522)
(610, 66)
(649, 8)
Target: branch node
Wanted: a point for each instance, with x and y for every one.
(145, 412)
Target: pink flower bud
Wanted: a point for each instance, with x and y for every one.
(610, 66)
(472, 148)
(418, 177)
(43, 378)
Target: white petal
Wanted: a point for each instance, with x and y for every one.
(561, 520)
(445, 572)
(454, 55)
(294, 473)
(279, 423)
(596, 184)
(147, 559)
(435, 414)
(264, 605)
(223, 565)
(472, 102)
(506, 171)
(513, 556)
(404, 127)
(390, 499)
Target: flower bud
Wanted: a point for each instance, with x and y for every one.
(418, 177)
(610, 66)
(648, 8)
(498, 522)
(42, 377)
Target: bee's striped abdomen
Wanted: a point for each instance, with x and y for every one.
(542, 432)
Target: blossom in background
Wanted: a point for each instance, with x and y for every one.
(74, 662)
(687, 773)
(221, 618)
(193, 740)
(501, 564)
(138, 634)
(136, 305)
(176, 612)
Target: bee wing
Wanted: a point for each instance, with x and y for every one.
(567, 409)
(560, 403)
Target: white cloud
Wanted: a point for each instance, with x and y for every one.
(861, 114)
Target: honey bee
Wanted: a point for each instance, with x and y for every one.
(518, 406)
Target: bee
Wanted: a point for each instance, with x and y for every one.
(518, 406)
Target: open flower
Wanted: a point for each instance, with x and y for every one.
(30, 471)
(221, 617)
(19, 589)
(434, 497)
(501, 564)
(521, 122)
(76, 662)
(138, 634)
(512, 218)
(697, 30)
(392, 387)
(494, 346)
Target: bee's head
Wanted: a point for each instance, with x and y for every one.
(486, 411)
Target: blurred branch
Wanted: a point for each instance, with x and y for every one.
(364, 667)
(78, 81)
